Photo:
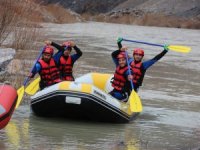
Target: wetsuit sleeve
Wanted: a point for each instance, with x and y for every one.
(37, 68)
(119, 45)
(116, 53)
(114, 57)
(60, 48)
(150, 62)
(77, 55)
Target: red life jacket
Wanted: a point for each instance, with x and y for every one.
(119, 79)
(137, 72)
(49, 73)
(66, 68)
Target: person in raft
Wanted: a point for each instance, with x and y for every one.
(47, 68)
(64, 60)
(121, 78)
(138, 66)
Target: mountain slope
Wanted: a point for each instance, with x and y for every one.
(181, 8)
(86, 6)
(167, 13)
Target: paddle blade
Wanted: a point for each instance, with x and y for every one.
(178, 48)
(33, 87)
(20, 93)
(135, 102)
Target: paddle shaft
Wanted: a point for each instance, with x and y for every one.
(129, 69)
(27, 78)
(135, 102)
(158, 45)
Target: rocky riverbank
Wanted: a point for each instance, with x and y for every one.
(6, 56)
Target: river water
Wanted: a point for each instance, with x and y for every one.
(170, 95)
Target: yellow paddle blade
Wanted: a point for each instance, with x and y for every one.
(33, 87)
(135, 102)
(20, 93)
(178, 48)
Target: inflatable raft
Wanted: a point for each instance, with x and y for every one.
(85, 98)
(8, 99)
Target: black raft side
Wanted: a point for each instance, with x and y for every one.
(91, 108)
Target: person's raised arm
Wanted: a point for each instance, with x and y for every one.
(150, 62)
(119, 40)
(57, 46)
(77, 50)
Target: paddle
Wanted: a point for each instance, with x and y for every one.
(33, 87)
(135, 102)
(20, 91)
(177, 48)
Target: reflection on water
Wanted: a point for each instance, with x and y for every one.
(170, 95)
(40, 133)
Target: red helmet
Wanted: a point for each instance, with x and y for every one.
(138, 51)
(49, 50)
(66, 44)
(121, 55)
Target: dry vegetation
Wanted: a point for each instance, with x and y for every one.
(17, 27)
(147, 20)
(16, 23)
(168, 21)
(7, 19)
(61, 15)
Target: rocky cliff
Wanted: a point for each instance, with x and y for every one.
(86, 6)
(170, 13)
(182, 8)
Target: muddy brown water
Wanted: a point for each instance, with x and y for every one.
(170, 95)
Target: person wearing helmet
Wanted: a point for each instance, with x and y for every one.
(47, 68)
(117, 52)
(121, 78)
(64, 59)
(139, 67)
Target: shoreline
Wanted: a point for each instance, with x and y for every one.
(145, 19)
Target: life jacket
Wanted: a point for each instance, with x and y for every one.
(137, 73)
(49, 73)
(65, 68)
(119, 80)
